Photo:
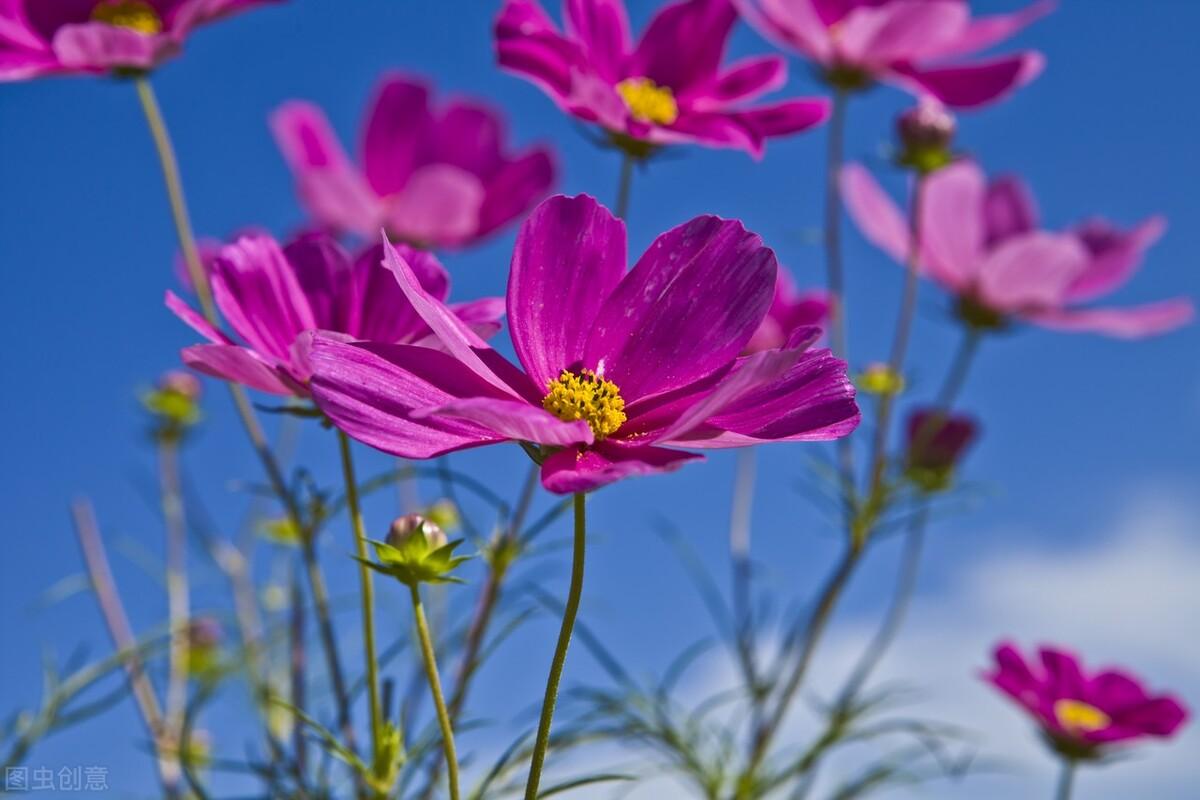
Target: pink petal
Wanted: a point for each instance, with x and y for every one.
(791, 24)
(99, 46)
(1123, 323)
(383, 313)
(514, 188)
(683, 44)
(322, 270)
(782, 119)
(900, 30)
(440, 206)
(952, 233)
(470, 136)
(237, 364)
(21, 65)
(1008, 209)
(571, 470)
(970, 85)
(1115, 256)
(980, 34)
(744, 80)
(370, 392)
(529, 44)
(1030, 272)
(569, 257)
(398, 134)
(513, 419)
(330, 187)
(685, 310)
(880, 221)
(602, 27)
(196, 322)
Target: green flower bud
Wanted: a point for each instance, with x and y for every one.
(174, 404)
(417, 551)
(926, 133)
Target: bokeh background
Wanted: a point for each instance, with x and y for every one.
(1081, 518)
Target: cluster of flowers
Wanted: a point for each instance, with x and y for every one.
(621, 371)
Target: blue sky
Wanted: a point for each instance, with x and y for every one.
(1089, 443)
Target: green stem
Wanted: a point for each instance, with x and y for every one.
(624, 186)
(177, 585)
(367, 592)
(435, 687)
(560, 651)
(1066, 780)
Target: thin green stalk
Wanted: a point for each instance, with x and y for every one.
(739, 551)
(177, 584)
(435, 687)
(367, 593)
(1066, 780)
(542, 742)
(258, 440)
(624, 186)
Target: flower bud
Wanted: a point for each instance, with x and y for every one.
(416, 551)
(204, 643)
(937, 441)
(880, 379)
(174, 404)
(926, 133)
(410, 525)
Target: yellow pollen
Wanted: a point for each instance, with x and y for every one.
(1075, 715)
(647, 101)
(588, 397)
(136, 15)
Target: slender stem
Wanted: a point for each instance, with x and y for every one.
(435, 687)
(1066, 780)
(297, 670)
(177, 583)
(959, 368)
(904, 322)
(624, 186)
(119, 630)
(739, 549)
(817, 622)
(542, 742)
(367, 591)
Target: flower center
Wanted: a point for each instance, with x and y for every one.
(1075, 715)
(136, 15)
(647, 101)
(588, 397)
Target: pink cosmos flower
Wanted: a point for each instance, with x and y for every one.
(431, 177)
(981, 242)
(668, 88)
(617, 368)
(790, 310)
(55, 37)
(904, 42)
(275, 298)
(1083, 714)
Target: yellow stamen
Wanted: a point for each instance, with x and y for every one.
(647, 101)
(588, 397)
(136, 15)
(1077, 716)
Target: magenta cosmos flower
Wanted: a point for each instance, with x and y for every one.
(669, 88)
(791, 309)
(617, 368)
(981, 242)
(910, 43)
(1082, 713)
(430, 177)
(54, 37)
(275, 298)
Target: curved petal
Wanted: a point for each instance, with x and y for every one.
(439, 206)
(1115, 255)
(515, 187)
(99, 46)
(529, 44)
(381, 311)
(982, 33)
(1008, 209)
(330, 187)
(880, 221)
(684, 43)
(1064, 673)
(971, 85)
(322, 269)
(685, 310)
(237, 364)
(602, 27)
(1158, 716)
(745, 80)
(569, 257)
(398, 134)
(471, 137)
(513, 419)
(370, 391)
(952, 226)
(1030, 272)
(900, 30)
(1124, 323)
(21, 65)
(572, 470)
(193, 320)
(791, 24)
(783, 119)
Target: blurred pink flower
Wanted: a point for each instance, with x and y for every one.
(668, 88)
(55, 37)
(910, 43)
(620, 368)
(980, 240)
(791, 309)
(1081, 713)
(276, 298)
(432, 178)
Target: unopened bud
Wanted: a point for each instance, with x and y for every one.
(926, 133)
(880, 379)
(937, 441)
(410, 525)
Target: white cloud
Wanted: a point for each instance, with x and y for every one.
(1129, 596)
